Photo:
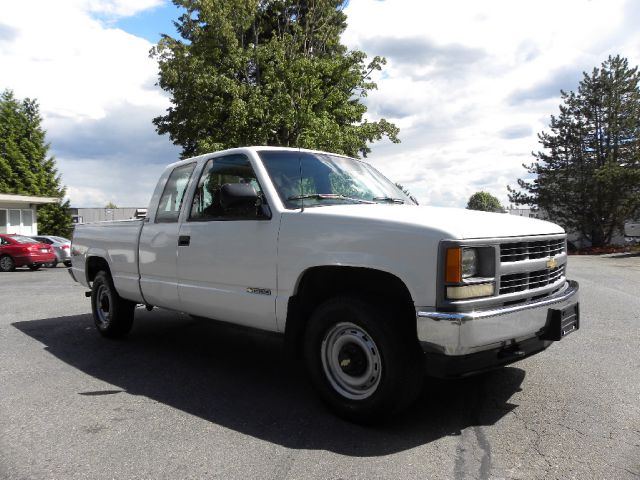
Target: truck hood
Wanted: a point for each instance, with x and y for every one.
(455, 223)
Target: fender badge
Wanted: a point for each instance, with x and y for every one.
(551, 263)
(259, 291)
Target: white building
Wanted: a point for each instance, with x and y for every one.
(88, 215)
(18, 213)
(524, 212)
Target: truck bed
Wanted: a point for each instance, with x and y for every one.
(117, 242)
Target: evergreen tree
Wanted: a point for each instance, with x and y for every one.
(588, 176)
(266, 72)
(25, 167)
(485, 202)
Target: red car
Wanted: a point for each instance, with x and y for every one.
(20, 251)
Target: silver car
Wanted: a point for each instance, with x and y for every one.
(61, 246)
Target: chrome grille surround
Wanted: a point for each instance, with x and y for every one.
(526, 269)
(519, 282)
(528, 250)
(531, 267)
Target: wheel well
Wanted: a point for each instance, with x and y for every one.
(94, 265)
(321, 283)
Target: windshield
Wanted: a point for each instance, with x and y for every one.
(60, 240)
(323, 179)
(21, 239)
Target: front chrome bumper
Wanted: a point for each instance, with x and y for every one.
(464, 333)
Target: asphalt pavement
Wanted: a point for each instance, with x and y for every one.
(186, 398)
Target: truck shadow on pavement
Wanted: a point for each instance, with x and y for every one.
(242, 380)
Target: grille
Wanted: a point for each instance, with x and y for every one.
(519, 282)
(518, 251)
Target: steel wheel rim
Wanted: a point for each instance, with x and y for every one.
(351, 361)
(103, 306)
(5, 263)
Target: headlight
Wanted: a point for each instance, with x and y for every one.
(469, 272)
(469, 262)
(461, 263)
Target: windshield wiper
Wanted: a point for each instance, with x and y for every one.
(388, 199)
(326, 196)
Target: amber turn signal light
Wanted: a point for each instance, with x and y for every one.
(454, 265)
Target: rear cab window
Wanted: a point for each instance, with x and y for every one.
(172, 197)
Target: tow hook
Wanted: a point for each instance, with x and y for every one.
(511, 351)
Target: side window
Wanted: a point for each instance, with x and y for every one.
(173, 194)
(218, 172)
(4, 242)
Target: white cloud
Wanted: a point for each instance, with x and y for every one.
(118, 8)
(471, 83)
(94, 84)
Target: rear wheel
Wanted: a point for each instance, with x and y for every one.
(112, 314)
(361, 359)
(7, 264)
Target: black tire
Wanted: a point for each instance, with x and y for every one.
(364, 363)
(112, 314)
(34, 267)
(67, 263)
(7, 264)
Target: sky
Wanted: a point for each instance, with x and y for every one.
(470, 84)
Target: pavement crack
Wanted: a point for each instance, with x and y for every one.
(485, 446)
(572, 429)
(473, 438)
(536, 443)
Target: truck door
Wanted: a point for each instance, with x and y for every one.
(159, 243)
(227, 260)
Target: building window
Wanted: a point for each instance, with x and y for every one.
(27, 218)
(14, 221)
(21, 222)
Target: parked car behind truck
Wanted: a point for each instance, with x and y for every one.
(61, 247)
(375, 290)
(21, 251)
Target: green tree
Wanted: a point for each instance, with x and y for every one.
(485, 202)
(266, 72)
(25, 167)
(587, 178)
(110, 205)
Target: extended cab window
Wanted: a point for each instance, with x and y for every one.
(173, 194)
(232, 169)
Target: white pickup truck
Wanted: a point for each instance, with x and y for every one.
(374, 289)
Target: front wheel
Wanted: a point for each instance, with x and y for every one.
(362, 360)
(112, 314)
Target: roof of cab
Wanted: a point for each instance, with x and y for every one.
(257, 148)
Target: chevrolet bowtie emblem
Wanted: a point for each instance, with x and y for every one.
(551, 263)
